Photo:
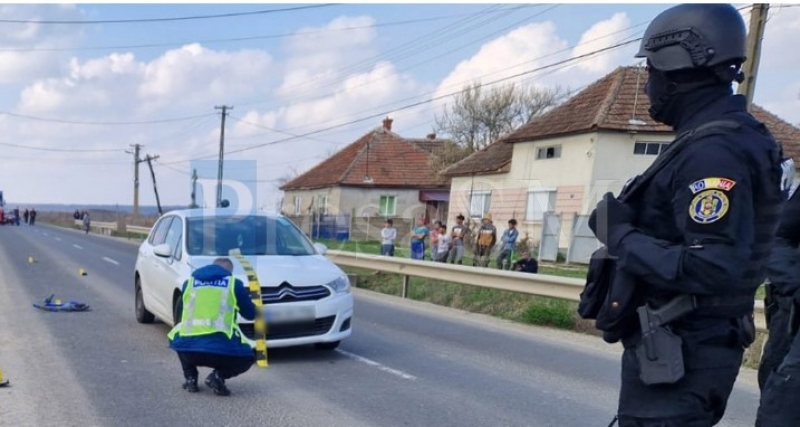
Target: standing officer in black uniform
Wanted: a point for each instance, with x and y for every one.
(699, 231)
(779, 373)
(783, 272)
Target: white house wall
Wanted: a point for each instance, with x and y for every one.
(615, 162)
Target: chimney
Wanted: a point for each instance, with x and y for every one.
(387, 124)
(431, 136)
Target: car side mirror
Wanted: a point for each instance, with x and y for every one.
(163, 250)
(321, 249)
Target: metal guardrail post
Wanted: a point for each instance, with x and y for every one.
(404, 291)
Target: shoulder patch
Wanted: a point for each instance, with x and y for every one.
(724, 184)
(709, 206)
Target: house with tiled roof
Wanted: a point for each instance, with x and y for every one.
(380, 175)
(554, 168)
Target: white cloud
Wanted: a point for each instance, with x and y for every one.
(597, 38)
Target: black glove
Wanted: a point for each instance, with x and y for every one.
(608, 214)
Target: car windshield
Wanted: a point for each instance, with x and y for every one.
(252, 235)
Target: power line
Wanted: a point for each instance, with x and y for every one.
(236, 39)
(180, 18)
(147, 122)
(62, 150)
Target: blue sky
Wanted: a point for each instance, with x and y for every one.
(281, 86)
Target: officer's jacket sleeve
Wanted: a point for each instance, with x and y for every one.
(246, 307)
(712, 206)
(789, 228)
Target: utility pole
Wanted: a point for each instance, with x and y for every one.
(758, 21)
(136, 160)
(194, 189)
(149, 160)
(224, 109)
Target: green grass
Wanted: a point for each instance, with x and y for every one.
(503, 304)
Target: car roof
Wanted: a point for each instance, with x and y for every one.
(220, 212)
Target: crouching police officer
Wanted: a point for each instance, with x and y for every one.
(695, 234)
(208, 334)
(779, 372)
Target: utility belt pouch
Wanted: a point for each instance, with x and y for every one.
(660, 352)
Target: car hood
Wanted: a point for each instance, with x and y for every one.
(305, 270)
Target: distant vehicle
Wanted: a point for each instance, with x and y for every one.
(306, 297)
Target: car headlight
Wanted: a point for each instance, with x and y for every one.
(340, 285)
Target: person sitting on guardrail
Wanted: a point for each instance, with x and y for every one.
(207, 334)
(526, 264)
(418, 239)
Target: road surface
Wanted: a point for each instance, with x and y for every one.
(407, 363)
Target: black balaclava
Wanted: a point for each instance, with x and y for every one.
(673, 94)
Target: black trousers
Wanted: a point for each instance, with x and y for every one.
(779, 341)
(713, 355)
(779, 399)
(226, 366)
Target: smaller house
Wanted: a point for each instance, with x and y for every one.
(380, 175)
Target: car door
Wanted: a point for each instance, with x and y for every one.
(151, 270)
(172, 270)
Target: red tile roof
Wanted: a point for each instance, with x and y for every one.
(394, 162)
(611, 103)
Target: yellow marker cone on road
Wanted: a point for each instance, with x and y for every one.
(3, 381)
(81, 272)
(31, 260)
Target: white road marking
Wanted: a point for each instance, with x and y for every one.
(78, 246)
(58, 238)
(107, 259)
(375, 364)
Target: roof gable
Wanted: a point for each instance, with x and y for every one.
(384, 156)
(613, 103)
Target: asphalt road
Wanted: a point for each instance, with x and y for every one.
(407, 363)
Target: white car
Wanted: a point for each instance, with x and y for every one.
(306, 297)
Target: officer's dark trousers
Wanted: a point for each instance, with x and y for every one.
(778, 342)
(226, 366)
(713, 354)
(780, 400)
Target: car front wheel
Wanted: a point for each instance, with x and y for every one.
(142, 315)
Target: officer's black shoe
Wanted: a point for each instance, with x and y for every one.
(191, 385)
(217, 384)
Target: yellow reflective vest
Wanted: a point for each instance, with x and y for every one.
(209, 306)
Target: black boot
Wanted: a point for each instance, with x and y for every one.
(191, 385)
(217, 384)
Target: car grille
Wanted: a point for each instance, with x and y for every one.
(288, 293)
(320, 326)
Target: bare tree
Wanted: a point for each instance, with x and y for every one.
(289, 175)
(477, 117)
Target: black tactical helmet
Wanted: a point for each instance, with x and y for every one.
(693, 36)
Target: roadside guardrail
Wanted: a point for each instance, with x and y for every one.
(563, 288)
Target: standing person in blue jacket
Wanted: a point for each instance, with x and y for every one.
(208, 334)
(418, 239)
(508, 243)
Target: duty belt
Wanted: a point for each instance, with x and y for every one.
(722, 306)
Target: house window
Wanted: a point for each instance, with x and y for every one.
(480, 203)
(297, 202)
(553, 152)
(649, 148)
(539, 202)
(388, 206)
(322, 205)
